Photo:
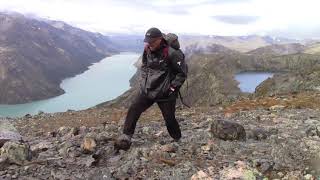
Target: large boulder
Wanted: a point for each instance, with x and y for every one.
(8, 132)
(228, 130)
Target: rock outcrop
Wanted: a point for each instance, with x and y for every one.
(8, 132)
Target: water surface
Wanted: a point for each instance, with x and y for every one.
(248, 81)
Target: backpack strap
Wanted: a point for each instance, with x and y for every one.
(165, 56)
(165, 52)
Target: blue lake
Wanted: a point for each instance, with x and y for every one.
(103, 81)
(248, 81)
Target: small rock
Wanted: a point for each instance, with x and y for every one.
(229, 115)
(170, 148)
(42, 146)
(74, 131)
(313, 131)
(200, 175)
(258, 134)
(263, 165)
(62, 131)
(52, 134)
(240, 171)
(206, 148)
(64, 148)
(276, 107)
(3, 162)
(227, 130)
(159, 133)
(293, 175)
(14, 176)
(146, 130)
(308, 177)
(104, 137)
(89, 161)
(28, 116)
(83, 130)
(89, 145)
(280, 174)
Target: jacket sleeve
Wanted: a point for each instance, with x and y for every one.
(143, 66)
(179, 69)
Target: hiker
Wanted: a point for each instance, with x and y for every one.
(163, 72)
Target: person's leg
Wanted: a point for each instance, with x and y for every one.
(168, 109)
(140, 104)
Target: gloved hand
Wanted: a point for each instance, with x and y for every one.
(171, 90)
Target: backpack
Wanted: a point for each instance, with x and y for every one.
(172, 41)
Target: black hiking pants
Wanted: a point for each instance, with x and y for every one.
(141, 104)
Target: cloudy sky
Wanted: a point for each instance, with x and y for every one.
(288, 18)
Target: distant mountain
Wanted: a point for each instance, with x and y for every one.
(238, 43)
(35, 56)
(278, 49)
(132, 43)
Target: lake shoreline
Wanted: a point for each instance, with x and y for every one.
(42, 105)
(249, 80)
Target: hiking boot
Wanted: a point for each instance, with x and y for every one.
(123, 142)
(176, 140)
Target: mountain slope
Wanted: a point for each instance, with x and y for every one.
(36, 56)
(278, 49)
(313, 48)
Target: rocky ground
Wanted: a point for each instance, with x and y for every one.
(273, 137)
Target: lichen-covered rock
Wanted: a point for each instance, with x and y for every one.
(16, 152)
(228, 130)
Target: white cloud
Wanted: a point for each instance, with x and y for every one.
(291, 17)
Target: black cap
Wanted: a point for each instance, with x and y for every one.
(152, 33)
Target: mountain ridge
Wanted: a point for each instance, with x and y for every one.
(35, 57)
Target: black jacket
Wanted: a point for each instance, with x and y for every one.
(160, 71)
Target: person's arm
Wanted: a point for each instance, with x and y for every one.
(144, 66)
(179, 68)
